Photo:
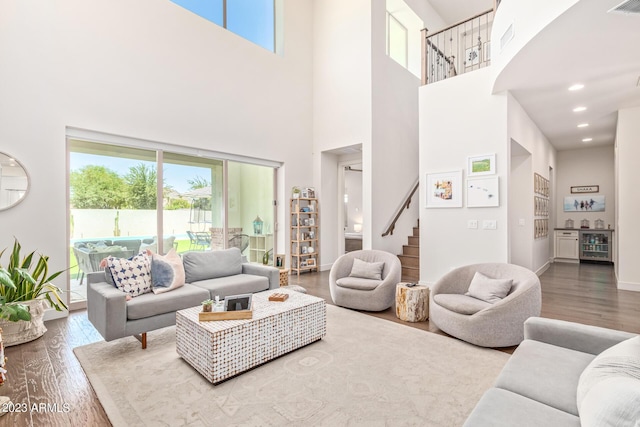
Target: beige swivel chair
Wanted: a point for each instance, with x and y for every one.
(498, 324)
(361, 293)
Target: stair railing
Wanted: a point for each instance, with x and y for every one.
(467, 43)
(404, 205)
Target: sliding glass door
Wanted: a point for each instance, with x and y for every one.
(252, 210)
(193, 205)
(112, 198)
(124, 200)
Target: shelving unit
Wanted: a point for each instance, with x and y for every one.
(258, 245)
(305, 243)
(595, 245)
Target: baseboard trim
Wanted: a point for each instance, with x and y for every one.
(567, 260)
(629, 286)
(542, 269)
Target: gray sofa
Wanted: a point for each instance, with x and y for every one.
(539, 384)
(208, 274)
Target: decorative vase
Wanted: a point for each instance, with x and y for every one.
(265, 258)
(22, 331)
(206, 308)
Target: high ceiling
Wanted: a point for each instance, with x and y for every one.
(584, 45)
(454, 11)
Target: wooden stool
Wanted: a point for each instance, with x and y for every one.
(412, 303)
(284, 277)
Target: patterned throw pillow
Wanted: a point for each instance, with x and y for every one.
(132, 275)
(167, 272)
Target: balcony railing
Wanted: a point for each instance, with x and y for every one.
(458, 49)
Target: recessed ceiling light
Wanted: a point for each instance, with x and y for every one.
(11, 159)
(587, 140)
(579, 109)
(583, 125)
(576, 86)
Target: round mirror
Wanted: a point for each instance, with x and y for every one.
(14, 181)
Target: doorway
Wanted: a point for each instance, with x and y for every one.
(352, 206)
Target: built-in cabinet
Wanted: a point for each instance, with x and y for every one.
(566, 245)
(259, 245)
(583, 245)
(305, 242)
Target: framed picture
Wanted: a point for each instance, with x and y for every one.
(304, 194)
(311, 262)
(311, 192)
(312, 235)
(483, 192)
(585, 189)
(444, 190)
(303, 249)
(279, 261)
(577, 203)
(310, 222)
(471, 56)
(481, 165)
(237, 302)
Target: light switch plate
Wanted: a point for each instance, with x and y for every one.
(472, 223)
(489, 224)
(521, 222)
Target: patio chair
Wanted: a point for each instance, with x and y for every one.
(199, 240)
(240, 241)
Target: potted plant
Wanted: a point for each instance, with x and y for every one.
(25, 284)
(207, 305)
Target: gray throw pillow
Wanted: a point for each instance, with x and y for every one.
(366, 270)
(488, 289)
(212, 264)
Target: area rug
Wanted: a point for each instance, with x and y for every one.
(366, 371)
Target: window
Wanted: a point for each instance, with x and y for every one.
(129, 196)
(397, 45)
(253, 20)
(403, 36)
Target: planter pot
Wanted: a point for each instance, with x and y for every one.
(14, 333)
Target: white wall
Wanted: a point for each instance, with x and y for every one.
(341, 101)
(394, 160)
(628, 203)
(458, 118)
(143, 69)
(586, 166)
(527, 19)
(525, 132)
(520, 206)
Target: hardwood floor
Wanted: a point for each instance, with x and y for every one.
(45, 373)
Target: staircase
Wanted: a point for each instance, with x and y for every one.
(410, 258)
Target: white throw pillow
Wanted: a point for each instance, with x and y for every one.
(613, 402)
(620, 361)
(487, 289)
(366, 270)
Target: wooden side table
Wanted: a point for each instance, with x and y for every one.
(284, 277)
(412, 303)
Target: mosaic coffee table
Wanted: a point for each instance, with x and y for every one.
(222, 349)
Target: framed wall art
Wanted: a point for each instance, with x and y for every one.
(481, 165)
(444, 190)
(581, 203)
(483, 192)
